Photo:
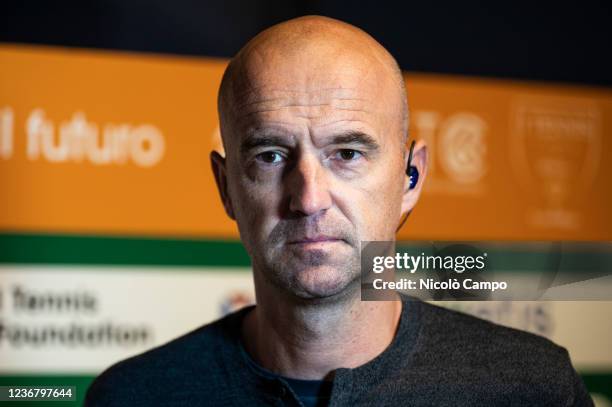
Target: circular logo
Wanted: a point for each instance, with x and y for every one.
(462, 148)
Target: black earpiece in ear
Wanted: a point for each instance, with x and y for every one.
(413, 175)
(411, 170)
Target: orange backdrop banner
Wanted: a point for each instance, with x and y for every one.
(117, 143)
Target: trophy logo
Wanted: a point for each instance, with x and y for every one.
(555, 148)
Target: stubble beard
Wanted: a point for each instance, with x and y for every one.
(313, 275)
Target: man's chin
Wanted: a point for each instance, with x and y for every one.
(321, 282)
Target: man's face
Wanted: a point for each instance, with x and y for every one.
(314, 166)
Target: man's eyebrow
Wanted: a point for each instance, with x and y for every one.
(355, 137)
(347, 138)
(262, 140)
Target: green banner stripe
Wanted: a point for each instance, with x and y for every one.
(600, 383)
(107, 250)
(23, 248)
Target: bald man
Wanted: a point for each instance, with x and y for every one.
(314, 118)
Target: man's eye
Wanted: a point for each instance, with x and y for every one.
(348, 155)
(270, 157)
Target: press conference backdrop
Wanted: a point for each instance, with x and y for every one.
(114, 239)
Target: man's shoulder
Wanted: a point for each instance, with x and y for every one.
(194, 356)
(467, 331)
(469, 352)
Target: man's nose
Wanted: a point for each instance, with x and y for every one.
(309, 187)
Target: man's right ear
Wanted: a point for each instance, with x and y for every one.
(218, 167)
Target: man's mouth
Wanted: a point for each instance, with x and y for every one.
(315, 240)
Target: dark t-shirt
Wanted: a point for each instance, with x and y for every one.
(438, 357)
(311, 393)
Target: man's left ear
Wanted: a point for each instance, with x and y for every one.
(419, 162)
(217, 163)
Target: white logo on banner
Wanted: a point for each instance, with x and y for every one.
(6, 133)
(462, 147)
(457, 151)
(78, 139)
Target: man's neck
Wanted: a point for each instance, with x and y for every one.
(309, 341)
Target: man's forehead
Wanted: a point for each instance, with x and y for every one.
(311, 91)
(309, 81)
(318, 113)
(274, 96)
